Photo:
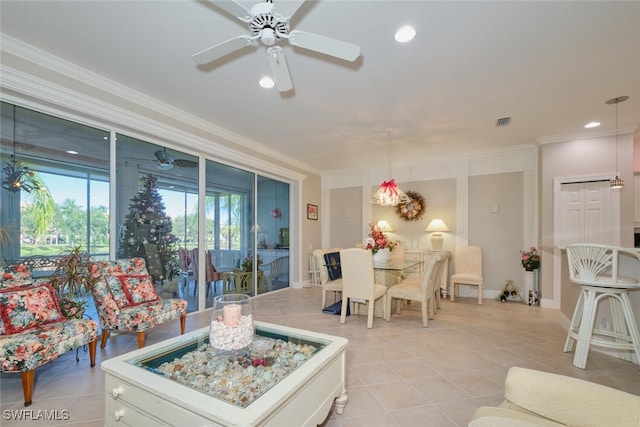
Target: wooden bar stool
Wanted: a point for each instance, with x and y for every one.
(596, 269)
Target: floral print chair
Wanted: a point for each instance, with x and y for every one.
(32, 329)
(126, 300)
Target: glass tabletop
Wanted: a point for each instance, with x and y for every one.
(238, 379)
(395, 265)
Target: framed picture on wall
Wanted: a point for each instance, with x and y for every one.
(312, 212)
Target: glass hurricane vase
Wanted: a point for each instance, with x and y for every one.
(232, 327)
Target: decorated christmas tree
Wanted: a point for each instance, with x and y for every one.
(147, 233)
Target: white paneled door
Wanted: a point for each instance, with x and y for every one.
(586, 214)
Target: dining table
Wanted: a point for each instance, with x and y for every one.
(388, 273)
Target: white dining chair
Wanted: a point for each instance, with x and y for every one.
(467, 270)
(420, 289)
(358, 283)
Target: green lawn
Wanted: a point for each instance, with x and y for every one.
(56, 250)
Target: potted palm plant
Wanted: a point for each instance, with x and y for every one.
(74, 276)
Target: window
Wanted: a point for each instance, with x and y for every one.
(156, 210)
(69, 206)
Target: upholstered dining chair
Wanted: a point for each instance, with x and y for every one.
(419, 289)
(185, 266)
(329, 284)
(467, 270)
(398, 253)
(211, 274)
(596, 268)
(358, 283)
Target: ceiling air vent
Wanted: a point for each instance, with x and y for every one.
(504, 121)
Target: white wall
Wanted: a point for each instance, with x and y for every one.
(462, 192)
(496, 222)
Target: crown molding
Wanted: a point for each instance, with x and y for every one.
(462, 157)
(551, 139)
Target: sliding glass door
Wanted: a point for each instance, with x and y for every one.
(272, 239)
(62, 200)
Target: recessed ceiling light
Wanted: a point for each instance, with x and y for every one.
(71, 152)
(405, 34)
(592, 125)
(267, 82)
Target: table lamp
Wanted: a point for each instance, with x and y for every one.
(437, 226)
(384, 226)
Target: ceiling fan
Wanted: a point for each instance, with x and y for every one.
(268, 27)
(166, 162)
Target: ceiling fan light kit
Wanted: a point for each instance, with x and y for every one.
(16, 176)
(269, 27)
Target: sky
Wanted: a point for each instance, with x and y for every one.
(65, 187)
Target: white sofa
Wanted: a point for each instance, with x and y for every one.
(327, 284)
(535, 398)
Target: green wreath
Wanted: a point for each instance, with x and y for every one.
(412, 210)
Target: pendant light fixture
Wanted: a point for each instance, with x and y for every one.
(616, 182)
(15, 176)
(389, 194)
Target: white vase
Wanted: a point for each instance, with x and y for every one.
(529, 285)
(382, 256)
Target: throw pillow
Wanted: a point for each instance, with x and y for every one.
(138, 288)
(14, 276)
(23, 308)
(332, 261)
(118, 294)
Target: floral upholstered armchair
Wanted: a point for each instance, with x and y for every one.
(126, 300)
(33, 331)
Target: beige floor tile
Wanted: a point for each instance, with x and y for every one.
(437, 389)
(373, 373)
(361, 403)
(460, 412)
(422, 416)
(398, 373)
(475, 384)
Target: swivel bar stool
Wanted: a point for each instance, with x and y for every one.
(596, 269)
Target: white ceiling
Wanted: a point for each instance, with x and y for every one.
(550, 66)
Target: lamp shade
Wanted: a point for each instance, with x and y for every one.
(384, 226)
(389, 194)
(436, 226)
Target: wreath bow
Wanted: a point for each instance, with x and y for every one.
(390, 187)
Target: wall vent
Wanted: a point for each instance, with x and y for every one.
(504, 121)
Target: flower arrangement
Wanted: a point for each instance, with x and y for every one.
(377, 240)
(413, 209)
(530, 259)
(247, 263)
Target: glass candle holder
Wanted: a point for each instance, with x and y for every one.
(232, 327)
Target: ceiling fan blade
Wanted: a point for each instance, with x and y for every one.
(325, 45)
(232, 8)
(221, 49)
(279, 69)
(185, 163)
(289, 8)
